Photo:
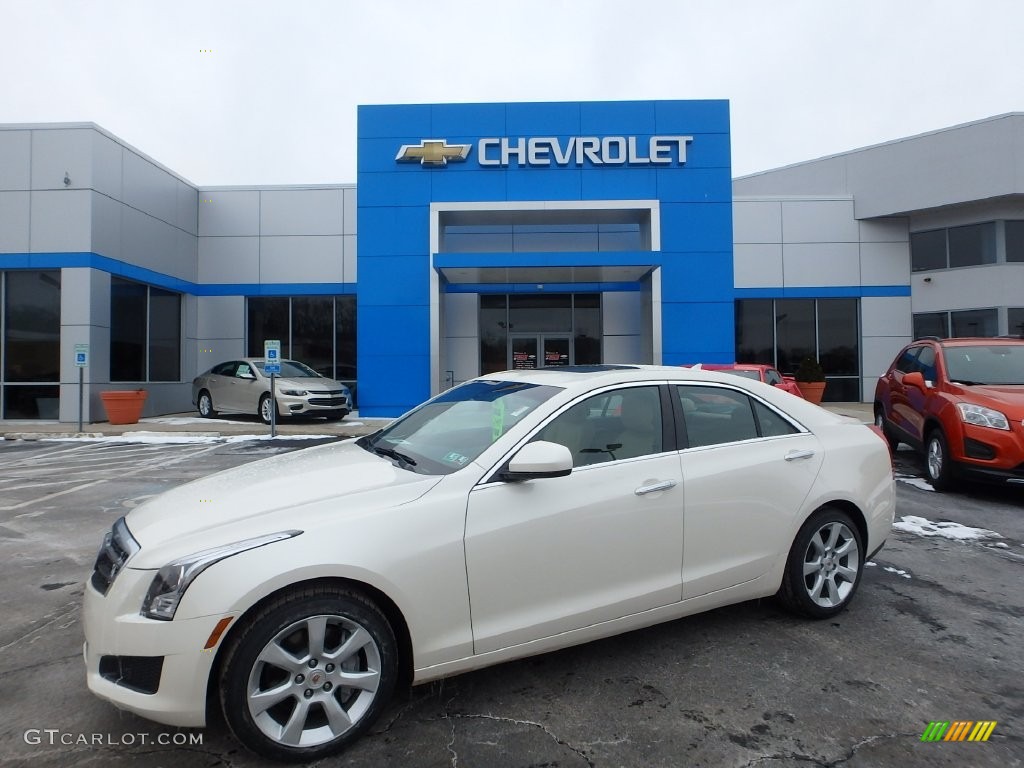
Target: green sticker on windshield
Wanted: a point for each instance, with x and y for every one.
(497, 419)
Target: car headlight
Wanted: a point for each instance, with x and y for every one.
(294, 392)
(171, 581)
(982, 417)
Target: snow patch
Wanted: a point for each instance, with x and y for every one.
(897, 571)
(917, 482)
(948, 530)
(870, 564)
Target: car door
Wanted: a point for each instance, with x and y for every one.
(553, 555)
(221, 384)
(901, 412)
(746, 470)
(248, 387)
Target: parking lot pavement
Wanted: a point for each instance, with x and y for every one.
(933, 635)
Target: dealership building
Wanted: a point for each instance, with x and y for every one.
(482, 237)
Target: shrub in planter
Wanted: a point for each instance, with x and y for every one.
(810, 377)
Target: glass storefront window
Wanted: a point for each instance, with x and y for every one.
(972, 245)
(312, 340)
(319, 331)
(1015, 241)
(782, 332)
(145, 333)
(931, 324)
(586, 321)
(164, 335)
(30, 310)
(543, 231)
(268, 319)
(755, 331)
(1015, 321)
(928, 250)
(32, 326)
(127, 330)
(838, 336)
(975, 322)
(794, 333)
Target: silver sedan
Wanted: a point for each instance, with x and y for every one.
(242, 386)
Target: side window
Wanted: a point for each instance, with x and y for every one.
(715, 415)
(926, 363)
(907, 362)
(615, 425)
(244, 371)
(224, 369)
(773, 377)
(771, 424)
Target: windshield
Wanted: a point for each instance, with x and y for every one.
(986, 364)
(448, 432)
(290, 369)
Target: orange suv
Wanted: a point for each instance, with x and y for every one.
(960, 402)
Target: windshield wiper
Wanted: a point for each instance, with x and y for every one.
(391, 453)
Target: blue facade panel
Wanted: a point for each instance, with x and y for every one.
(695, 202)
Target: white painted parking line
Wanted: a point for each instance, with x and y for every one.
(101, 464)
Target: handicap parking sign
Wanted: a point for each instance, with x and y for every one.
(272, 356)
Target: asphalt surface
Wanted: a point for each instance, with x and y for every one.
(933, 634)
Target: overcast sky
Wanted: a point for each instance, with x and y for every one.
(274, 100)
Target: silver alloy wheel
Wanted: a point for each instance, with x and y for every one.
(205, 405)
(265, 406)
(314, 681)
(831, 565)
(935, 458)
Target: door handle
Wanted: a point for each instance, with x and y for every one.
(664, 485)
(794, 455)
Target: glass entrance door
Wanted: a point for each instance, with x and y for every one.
(538, 350)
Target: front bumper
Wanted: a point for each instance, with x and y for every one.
(313, 404)
(114, 628)
(991, 455)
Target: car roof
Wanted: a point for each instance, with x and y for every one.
(973, 341)
(591, 376)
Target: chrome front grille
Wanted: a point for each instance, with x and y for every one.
(117, 549)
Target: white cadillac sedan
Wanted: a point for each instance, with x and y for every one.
(517, 513)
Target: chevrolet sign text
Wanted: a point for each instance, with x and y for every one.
(607, 150)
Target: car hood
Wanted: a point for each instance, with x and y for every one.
(308, 382)
(1008, 398)
(281, 493)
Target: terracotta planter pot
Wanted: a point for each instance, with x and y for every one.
(812, 391)
(123, 407)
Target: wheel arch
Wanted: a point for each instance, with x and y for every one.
(855, 513)
(387, 606)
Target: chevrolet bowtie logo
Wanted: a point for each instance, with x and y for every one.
(432, 152)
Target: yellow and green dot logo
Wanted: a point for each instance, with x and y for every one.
(958, 730)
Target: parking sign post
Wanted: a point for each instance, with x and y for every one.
(272, 366)
(82, 362)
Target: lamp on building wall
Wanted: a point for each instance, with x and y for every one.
(67, 179)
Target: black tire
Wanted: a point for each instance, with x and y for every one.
(822, 572)
(263, 411)
(337, 415)
(883, 424)
(284, 625)
(938, 466)
(205, 405)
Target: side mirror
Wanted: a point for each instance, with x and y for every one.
(538, 460)
(914, 379)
